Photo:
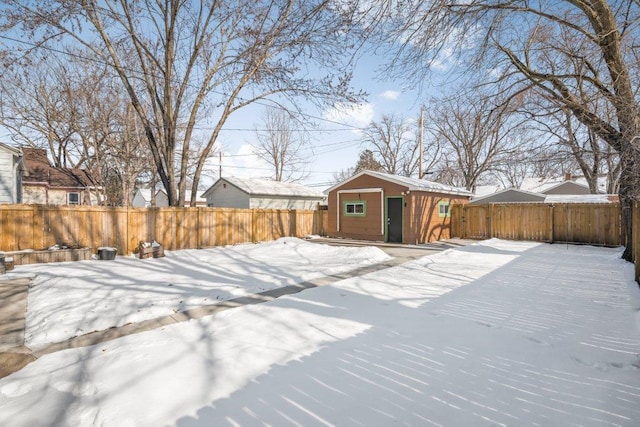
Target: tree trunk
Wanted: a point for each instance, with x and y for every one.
(629, 192)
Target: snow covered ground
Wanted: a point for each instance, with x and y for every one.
(498, 333)
(70, 299)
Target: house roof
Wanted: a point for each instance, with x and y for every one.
(145, 193)
(263, 187)
(517, 194)
(13, 150)
(38, 169)
(412, 184)
(542, 185)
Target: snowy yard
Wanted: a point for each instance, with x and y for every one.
(70, 299)
(498, 333)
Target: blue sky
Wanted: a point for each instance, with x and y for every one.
(334, 150)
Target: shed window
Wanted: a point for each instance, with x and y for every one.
(355, 208)
(444, 209)
(73, 198)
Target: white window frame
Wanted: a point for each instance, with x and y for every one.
(446, 214)
(69, 202)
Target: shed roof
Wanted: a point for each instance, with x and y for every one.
(263, 187)
(412, 184)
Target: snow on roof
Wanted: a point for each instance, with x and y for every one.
(486, 190)
(13, 150)
(580, 198)
(263, 187)
(413, 184)
(540, 185)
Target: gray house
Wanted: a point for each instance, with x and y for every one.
(143, 198)
(567, 187)
(10, 174)
(510, 195)
(251, 193)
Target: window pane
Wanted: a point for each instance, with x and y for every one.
(350, 208)
(360, 208)
(74, 198)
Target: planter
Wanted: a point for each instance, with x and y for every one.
(107, 253)
(61, 255)
(150, 250)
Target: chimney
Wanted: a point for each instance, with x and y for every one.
(568, 176)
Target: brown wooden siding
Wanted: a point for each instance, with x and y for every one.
(364, 228)
(423, 223)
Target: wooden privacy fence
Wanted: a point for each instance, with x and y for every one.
(37, 226)
(598, 224)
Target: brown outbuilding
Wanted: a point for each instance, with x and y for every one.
(382, 207)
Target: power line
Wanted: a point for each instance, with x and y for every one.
(101, 62)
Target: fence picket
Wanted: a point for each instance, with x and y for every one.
(38, 227)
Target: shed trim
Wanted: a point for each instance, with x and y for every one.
(362, 190)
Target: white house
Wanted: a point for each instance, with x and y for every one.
(142, 198)
(251, 193)
(10, 174)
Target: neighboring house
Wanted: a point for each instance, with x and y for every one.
(567, 185)
(48, 185)
(555, 194)
(378, 206)
(142, 198)
(250, 193)
(510, 195)
(10, 174)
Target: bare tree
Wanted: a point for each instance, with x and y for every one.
(557, 47)
(343, 175)
(187, 66)
(475, 135)
(280, 145)
(81, 117)
(393, 142)
(573, 140)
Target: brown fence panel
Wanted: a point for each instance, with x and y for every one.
(39, 227)
(598, 224)
(475, 222)
(521, 222)
(587, 223)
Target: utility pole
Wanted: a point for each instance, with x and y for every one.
(421, 149)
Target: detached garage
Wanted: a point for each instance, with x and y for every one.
(382, 207)
(251, 193)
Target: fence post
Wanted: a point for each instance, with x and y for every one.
(551, 221)
(490, 221)
(254, 226)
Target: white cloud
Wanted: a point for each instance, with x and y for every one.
(359, 115)
(391, 95)
(246, 164)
